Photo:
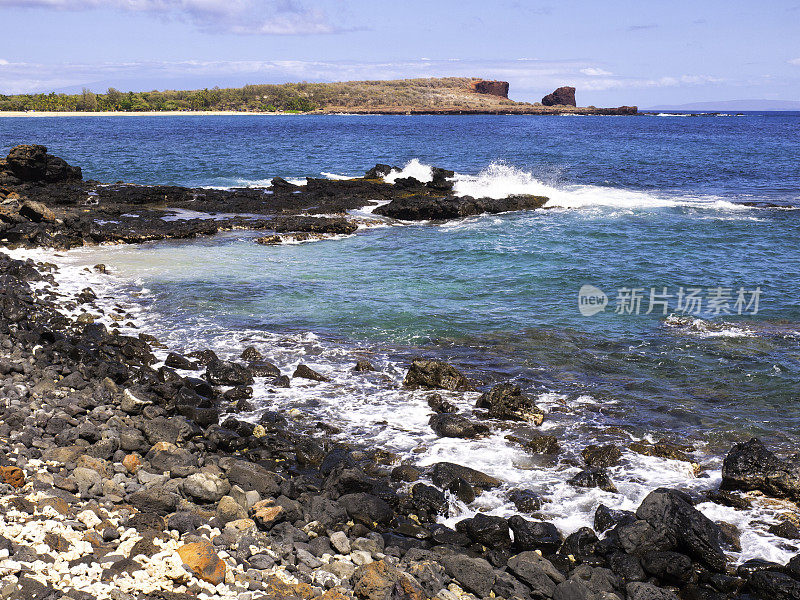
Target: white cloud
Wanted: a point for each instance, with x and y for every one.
(795, 61)
(595, 72)
(264, 17)
(3, 61)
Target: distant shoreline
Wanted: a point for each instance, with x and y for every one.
(154, 113)
(506, 110)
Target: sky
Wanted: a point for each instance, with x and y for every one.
(614, 52)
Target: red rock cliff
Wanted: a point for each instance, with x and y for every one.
(495, 88)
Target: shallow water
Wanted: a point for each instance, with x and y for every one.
(637, 202)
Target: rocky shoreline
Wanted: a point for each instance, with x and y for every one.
(125, 476)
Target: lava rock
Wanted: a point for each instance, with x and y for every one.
(435, 374)
(506, 401)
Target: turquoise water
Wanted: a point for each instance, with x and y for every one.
(640, 203)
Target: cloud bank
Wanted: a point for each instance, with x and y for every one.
(253, 17)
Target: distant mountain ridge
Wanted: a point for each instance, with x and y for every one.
(753, 104)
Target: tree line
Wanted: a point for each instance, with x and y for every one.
(289, 97)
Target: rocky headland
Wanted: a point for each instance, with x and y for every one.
(127, 472)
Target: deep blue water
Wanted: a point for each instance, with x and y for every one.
(639, 202)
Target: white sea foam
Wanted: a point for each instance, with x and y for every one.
(500, 180)
(415, 169)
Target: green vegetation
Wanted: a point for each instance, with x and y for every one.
(451, 92)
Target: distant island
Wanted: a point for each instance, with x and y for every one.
(448, 95)
(737, 105)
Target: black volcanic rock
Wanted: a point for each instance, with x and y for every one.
(422, 207)
(751, 466)
(563, 96)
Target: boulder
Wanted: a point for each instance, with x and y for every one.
(32, 163)
(250, 476)
(563, 96)
(366, 508)
(203, 561)
(435, 374)
(157, 499)
(223, 372)
(506, 401)
(771, 585)
(535, 535)
(540, 575)
(474, 574)
(455, 426)
(444, 473)
(601, 456)
(672, 515)
(670, 567)
(605, 518)
(380, 581)
(37, 212)
(594, 478)
(751, 466)
(205, 487)
(647, 591)
(305, 372)
(492, 532)
(13, 476)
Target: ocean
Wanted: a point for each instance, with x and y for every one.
(655, 297)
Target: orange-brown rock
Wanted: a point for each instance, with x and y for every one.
(336, 593)
(495, 88)
(379, 580)
(58, 504)
(12, 476)
(203, 561)
(266, 514)
(276, 588)
(132, 463)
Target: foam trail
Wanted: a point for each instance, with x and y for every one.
(499, 180)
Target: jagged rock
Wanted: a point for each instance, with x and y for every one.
(691, 532)
(537, 572)
(535, 535)
(435, 374)
(601, 456)
(492, 532)
(525, 500)
(506, 401)
(594, 478)
(605, 518)
(647, 591)
(563, 96)
(444, 473)
(751, 466)
(661, 449)
(201, 558)
(305, 372)
(538, 443)
(423, 207)
(37, 212)
(321, 225)
(223, 372)
(669, 567)
(474, 574)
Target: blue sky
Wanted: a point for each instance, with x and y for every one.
(613, 52)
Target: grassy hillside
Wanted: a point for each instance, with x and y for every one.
(441, 93)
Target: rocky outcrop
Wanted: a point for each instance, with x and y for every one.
(495, 88)
(423, 207)
(435, 374)
(31, 163)
(563, 96)
(506, 401)
(751, 466)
